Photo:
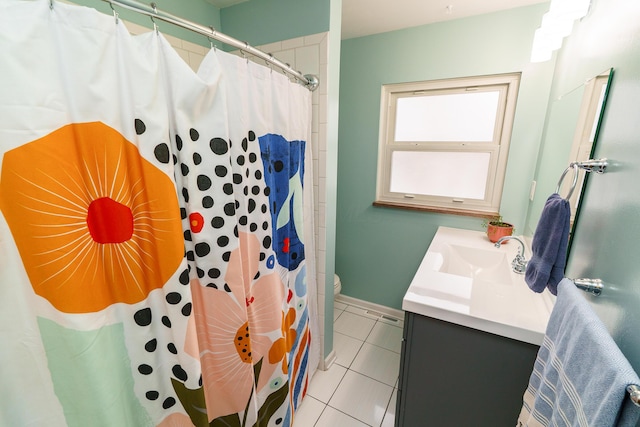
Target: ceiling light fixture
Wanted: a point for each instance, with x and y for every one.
(556, 25)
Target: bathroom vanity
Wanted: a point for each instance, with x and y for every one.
(472, 331)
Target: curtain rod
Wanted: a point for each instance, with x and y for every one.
(310, 81)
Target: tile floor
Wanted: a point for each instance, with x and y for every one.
(360, 388)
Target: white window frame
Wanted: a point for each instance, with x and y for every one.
(498, 148)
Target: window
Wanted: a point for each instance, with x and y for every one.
(444, 143)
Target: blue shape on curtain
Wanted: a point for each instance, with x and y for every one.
(301, 282)
(283, 163)
(303, 366)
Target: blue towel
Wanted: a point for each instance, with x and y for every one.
(580, 375)
(549, 246)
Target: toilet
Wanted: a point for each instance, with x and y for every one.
(337, 285)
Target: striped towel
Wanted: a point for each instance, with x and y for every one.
(580, 375)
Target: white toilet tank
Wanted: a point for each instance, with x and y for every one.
(337, 285)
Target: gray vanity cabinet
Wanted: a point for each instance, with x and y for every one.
(455, 376)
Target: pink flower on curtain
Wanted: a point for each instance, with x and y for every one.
(236, 330)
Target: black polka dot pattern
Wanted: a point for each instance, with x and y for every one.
(204, 182)
(143, 317)
(202, 249)
(151, 345)
(179, 373)
(173, 298)
(161, 153)
(219, 146)
(159, 360)
(145, 369)
(222, 193)
(166, 321)
(186, 309)
(177, 307)
(139, 126)
(168, 402)
(184, 277)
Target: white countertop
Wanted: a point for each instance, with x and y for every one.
(492, 299)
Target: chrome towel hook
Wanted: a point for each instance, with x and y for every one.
(592, 286)
(634, 393)
(592, 165)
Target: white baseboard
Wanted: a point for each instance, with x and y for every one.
(392, 312)
(328, 361)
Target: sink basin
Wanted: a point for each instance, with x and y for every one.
(475, 263)
(464, 279)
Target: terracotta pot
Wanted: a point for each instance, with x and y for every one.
(495, 232)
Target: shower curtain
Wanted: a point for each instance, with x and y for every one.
(156, 234)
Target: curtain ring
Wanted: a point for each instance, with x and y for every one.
(115, 14)
(270, 63)
(212, 38)
(576, 169)
(155, 10)
(51, 4)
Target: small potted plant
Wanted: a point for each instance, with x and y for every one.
(497, 228)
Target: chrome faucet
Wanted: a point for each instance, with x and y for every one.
(519, 263)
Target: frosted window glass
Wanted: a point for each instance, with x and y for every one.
(431, 173)
(467, 117)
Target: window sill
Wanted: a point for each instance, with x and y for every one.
(447, 211)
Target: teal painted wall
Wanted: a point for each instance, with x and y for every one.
(260, 22)
(198, 11)
(379, 249)
(607, 237)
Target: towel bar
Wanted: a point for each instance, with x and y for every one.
(592, 286)
(634, 393)
(595, 287)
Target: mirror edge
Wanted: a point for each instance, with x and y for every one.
(591, 156)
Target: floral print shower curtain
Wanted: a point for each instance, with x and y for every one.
(156, 241)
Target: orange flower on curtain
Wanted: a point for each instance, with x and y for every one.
(237, 330)
(282, 346)
(95, 223)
